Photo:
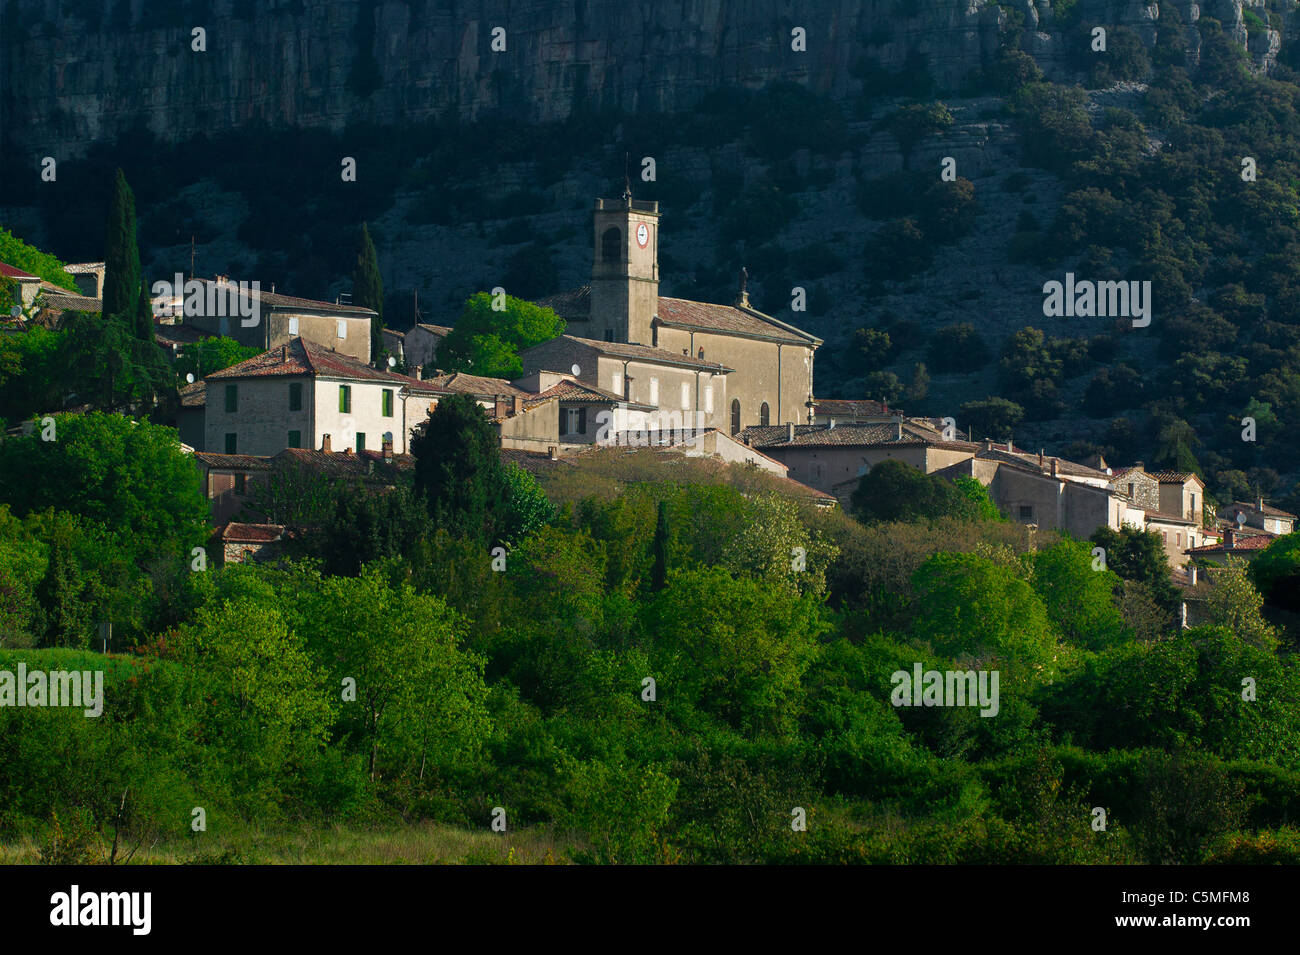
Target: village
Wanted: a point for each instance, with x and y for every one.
(632, 369)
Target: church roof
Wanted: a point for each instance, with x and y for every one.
(728, 320)
(575, 305)
(646, 353)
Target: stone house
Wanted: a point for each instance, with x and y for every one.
(89, 277)
(1260, 515)
(294, 395)
(236, 543)
(420, 345)
(834, 457)
(687, 392)
(585, 414)
(227, 481)
(279, 319)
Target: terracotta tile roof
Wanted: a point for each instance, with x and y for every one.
(68, 302)
(534, 462)
(442, 330)
(165, 334)
(646, 353)
(573, 305)
(733, 319)
(850, 407)
(194, 396)
(13, 272)
(290, 302)
(848, 435)
(1254, 542)
(250, 533)
(462, 384)
(1174, 477)
(578, 392)
(1268, 509)
(238, 462)
(1161, 517)
(303, 357)
(364, 464)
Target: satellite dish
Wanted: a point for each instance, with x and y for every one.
(576, 370)
(392, 362)
(1241, 519)
(189, 379)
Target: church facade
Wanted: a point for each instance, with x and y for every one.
(727, 366)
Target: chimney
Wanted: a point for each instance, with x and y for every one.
(516, 404)
(419, 373)
(898, 429)
(1259, 504)
(1011, 448)
(325, 445)
(1229, 538)
(553, 452)
(502, 409)
(388, 448)
(988, 444)
(1055, 461)
(884, 406)
(789, 431)
(1040, 459)
(831, 424)
(1138, 465)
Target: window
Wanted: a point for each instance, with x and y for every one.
(654, 391)
(295, 439)
(1164, 536)
(764, 414)
(735, 416)
(686, 396)
(345, 399)
(1130, 489)
(361, 441)
(564, 421)
(616, 383)
(387, 403)
(293, 326)
(343, 328)
(232, 398)
(1027, 513)
(611, 242)
(1178, 538)
(241, 483)
(708, 399)
(1193, 505)
(230, 444)
(295, 396)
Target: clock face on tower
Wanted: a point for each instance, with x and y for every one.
(642, 234)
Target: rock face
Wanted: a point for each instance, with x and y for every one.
(72, 80)
(80, 71)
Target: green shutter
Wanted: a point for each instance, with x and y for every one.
(230, 444)
(295, 439)
(232, 398)
(361, 441)
(345, 398)
(295, 396)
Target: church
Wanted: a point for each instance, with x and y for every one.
(704, 365)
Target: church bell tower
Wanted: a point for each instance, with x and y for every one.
(625, 269)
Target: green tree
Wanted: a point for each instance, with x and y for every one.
(66, 616)
(1233, 602)
(734, 649)
(458, 470)
(993, 418)
(1078, 597)
(211, 355)
(485, 341)
(368, 291)
(895, 491)
(659, 574)
(129, 476)
(969, 607)
(1138, 555)
(123, 279)
(1276, 572)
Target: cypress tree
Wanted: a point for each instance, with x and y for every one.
(659, 575)
(368, 290)
(458, 470)
(122, 258)
(59, 592)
